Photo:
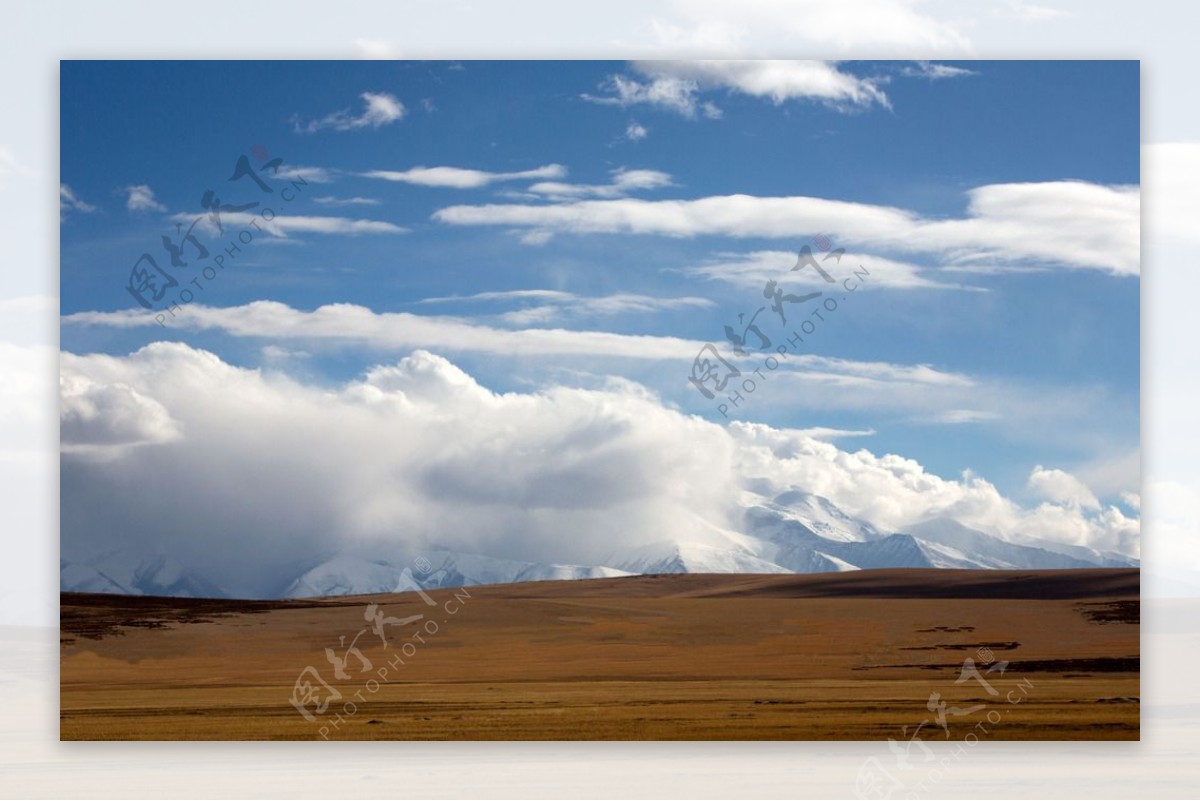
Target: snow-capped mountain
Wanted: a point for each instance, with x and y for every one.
(85, 578)
(791, 532)
(130, 572)
(668, 556)
(350, 575)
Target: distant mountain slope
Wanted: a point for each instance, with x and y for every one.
(792, 532)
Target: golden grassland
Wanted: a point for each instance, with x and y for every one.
(853, 656)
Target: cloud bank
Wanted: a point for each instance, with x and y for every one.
(251, 475)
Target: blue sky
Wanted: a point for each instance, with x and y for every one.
(1002, 341)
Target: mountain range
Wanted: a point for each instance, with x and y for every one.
(793, 532)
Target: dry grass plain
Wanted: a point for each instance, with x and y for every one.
(853, 656)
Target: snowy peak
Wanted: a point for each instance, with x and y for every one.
(351, 575)
(820, 516)
(131, 572)
(791, 532)
(668, 556)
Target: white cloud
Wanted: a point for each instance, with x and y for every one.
(895, 28)
(413, 452)
(29, 304)
(312, 175)
(624, 182)
(141, 198)
(10, 166)
(933, 71)
(566, 305)
(894, 492)
(1059, 486)
(1114, 473)
(963, 416)
(825, 433)
(68, 202)
(1172, 171)
(348, 323)
(462, 178)
(1029, 12)
(345, 201)
(281, 225)
(635, 131)
(105, 419)
(344, 322)
(417, 453)
(535, 237)
(1067, 223)
(379, 109)
(376, 49)
(752, 270)
(803, 381)
(676, 85)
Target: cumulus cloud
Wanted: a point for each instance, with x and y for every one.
(1059, 486)
(379, 109)
(676, 85)
(105, 419)
(462, 178)
(635, 131)
(894, 492)
(141, 198)
(416, 453)
(1066, 223)
(412, 453)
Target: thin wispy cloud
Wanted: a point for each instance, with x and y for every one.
(283, 224)
(1067, 223)
(379, 109)
(69, 202)
(313, 175)
(543, 306)
(464, 178)
(752, 269)
(350, 323)
(346, 201)
(624, 181)
(934, 71)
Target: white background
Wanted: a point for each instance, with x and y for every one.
(34, 36)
